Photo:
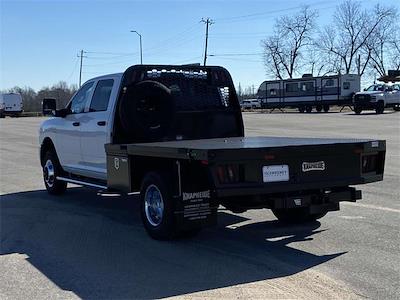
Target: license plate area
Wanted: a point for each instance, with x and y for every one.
(275, 173)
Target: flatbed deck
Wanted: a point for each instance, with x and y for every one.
(199, 149)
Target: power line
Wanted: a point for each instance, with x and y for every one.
(73, 69)
(208, 22)
(254, 16)
(109, 53)
(237, 54)
(193, 59)
(240, 59)
(174, 38)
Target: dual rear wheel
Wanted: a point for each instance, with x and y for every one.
(157, 208)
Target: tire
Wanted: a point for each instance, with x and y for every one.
(52, 169)
(357, 110)
(380, 107)
(147, 110)
(318, 108)
(326, 108)
(302, 109)
(157, 209)
(296, 215)
(308, 109)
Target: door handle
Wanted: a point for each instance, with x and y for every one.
(101, 123)
(76, 124)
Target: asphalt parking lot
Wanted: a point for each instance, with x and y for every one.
(84, 245)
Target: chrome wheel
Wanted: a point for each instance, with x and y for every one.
(48, 173)
(153, 205)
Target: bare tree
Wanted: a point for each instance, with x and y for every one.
(32, 101)
(381, 46)
(395, 49)
(283, 51)
(353, 29)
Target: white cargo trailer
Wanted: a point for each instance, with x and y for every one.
(10, 104)
(309, 92)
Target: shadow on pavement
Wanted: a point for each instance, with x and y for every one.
(96, 247)
(370, 113)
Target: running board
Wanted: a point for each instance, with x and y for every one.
(81, 182)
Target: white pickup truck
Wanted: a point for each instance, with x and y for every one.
(377, 97)
(175, 134)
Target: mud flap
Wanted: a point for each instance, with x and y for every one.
(196, 209)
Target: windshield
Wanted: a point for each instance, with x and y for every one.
(376, 87)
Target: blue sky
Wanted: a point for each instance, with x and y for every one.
(40, 39)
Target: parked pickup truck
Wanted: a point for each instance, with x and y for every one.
(175, 135)
(378, 97)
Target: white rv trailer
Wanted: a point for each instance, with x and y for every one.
(10, 104)
(309, 92)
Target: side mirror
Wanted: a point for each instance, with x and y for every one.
(62, 113)
(49, 106)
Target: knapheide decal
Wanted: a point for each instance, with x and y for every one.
(313, 166)
(196, 195)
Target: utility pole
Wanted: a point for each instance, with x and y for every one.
(208, 22)
(80, 69)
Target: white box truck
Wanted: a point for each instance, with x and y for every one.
(10, 105)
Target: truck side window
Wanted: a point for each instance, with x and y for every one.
(101, 95)
(79, 101)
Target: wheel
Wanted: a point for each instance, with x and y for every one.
(308, 109)
(302, 109)
(147, 110)
(326, 108)
(296, 215)
(52, 169)
(357, 110)
(157, 206)
(380, 107)
(318, 108)
(396, 107)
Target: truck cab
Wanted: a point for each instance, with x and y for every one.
(378, 97)
(197, 104)
(84, 127)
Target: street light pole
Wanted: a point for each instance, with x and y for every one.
(140, 41)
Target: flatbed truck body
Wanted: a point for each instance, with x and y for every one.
(266, 172)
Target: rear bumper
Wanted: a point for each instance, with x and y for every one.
(268, 189)
(318, 201)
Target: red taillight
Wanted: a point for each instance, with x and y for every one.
(229, 173)
(369, 163)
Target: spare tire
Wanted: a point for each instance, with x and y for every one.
(146, 110)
